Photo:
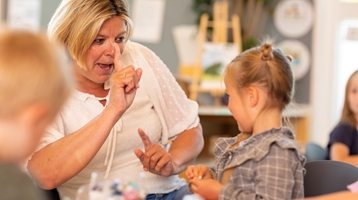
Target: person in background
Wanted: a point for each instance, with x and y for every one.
(34, 85)
(262, 162)
(343, 140)
(126, 110)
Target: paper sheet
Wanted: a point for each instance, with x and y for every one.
(24, 14)
(148, 17)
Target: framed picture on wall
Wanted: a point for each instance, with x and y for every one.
(300, 54)
(294, 18)
(215, 57)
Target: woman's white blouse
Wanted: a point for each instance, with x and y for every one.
(160, 108)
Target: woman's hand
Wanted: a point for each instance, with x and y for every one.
(198, 172)
(155, 158)
(124, 84)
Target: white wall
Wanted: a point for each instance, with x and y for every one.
(324, 96)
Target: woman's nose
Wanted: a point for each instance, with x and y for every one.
(109, 51)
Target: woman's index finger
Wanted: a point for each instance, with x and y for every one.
(117, 58)
(145, 139)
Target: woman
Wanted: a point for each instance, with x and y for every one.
(96, 130)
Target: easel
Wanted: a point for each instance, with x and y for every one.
(220, 25)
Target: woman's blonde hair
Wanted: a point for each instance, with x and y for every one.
(266, 66)
(76, 23)
(31, 71)
(347, 113)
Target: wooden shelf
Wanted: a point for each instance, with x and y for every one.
(294, 110)
(219, 122)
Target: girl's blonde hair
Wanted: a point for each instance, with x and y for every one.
(76, 23)
(266, 66)
(347, 114)
(31, 71)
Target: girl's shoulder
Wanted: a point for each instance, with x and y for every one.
(344, 127)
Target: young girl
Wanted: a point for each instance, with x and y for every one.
(262, 162)
(343, 141)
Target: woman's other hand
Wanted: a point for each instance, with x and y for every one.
(155, 158)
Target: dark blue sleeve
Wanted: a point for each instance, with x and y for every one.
(342, 133)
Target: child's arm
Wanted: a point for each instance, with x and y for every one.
(278, 176)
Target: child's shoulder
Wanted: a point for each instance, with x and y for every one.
(344, 126)
(281, 138)
(282, 135)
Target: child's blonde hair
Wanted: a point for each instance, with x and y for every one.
(266, 66)
(347, 113)
(76, 23)
(31, 71)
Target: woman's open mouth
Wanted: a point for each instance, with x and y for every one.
(106, 68)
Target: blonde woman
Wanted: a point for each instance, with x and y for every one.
(126, 109)
(34, 84)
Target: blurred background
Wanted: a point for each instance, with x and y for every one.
(322, 35)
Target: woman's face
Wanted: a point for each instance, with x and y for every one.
(99, 57)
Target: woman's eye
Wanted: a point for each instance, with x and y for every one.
(120, 39)
(98, 41)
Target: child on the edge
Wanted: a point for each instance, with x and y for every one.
(33, 87)
(262, 162)
(343, 140)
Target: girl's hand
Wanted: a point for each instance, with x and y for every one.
(209, 189)
(124, 84)
(155, 158)
(198, 172)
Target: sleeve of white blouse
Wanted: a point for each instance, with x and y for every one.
(180, 113)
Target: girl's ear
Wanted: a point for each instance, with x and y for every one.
(253, 96)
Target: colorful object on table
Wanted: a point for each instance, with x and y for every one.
(115, 190)
(353, 187)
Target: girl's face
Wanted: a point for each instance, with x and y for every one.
(99, 57)
(238, 105)
(353, 95)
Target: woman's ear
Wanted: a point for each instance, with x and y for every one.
(253, 96)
